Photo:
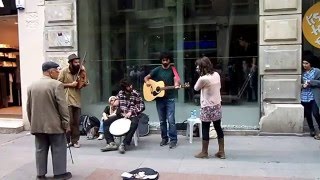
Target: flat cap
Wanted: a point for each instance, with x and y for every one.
(48, 65)
(72, 57)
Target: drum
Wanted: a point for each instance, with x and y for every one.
(120, 127)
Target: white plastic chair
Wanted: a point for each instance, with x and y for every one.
(191, 123)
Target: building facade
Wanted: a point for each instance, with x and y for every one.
(255, 45)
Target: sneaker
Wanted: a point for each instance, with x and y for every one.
(164, 142)
(101, 136)
(122, 148)
(172, 145)
(64, 176)
(312, 133)
(317, 137)
(76, 145)
(110, 147)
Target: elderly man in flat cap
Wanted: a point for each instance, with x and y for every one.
(68, 76)
(48, 115)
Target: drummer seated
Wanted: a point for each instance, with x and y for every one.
(131, 106)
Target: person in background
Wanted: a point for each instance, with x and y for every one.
(310, 91)
(48, 115)
(210, 99)
(166, 105)
(68, 76)
(109, 111)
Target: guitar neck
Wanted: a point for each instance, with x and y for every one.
(170, 87)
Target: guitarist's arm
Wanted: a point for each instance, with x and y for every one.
(177, 84)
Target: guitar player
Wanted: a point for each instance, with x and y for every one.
(166, 104)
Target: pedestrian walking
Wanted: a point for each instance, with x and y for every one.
(48, 115)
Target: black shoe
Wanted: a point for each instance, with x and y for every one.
(41, 177)
(172, 145)
(64, 176)
(164, 142)
(312, 133)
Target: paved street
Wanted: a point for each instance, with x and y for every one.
(248, 157)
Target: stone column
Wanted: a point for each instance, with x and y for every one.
(280, 66)
(31, 27)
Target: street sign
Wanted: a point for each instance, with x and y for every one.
(311, 25)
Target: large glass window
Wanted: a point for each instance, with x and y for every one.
(307, 47)
(125, 39)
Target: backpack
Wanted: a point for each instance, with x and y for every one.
(87, 123)
(143, 125)
(141, 173)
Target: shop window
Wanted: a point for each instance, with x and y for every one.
(152, 4)
(129, 44)
(126, 5)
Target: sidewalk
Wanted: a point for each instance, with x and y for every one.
(248, 157)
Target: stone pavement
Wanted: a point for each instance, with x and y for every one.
(248, 157)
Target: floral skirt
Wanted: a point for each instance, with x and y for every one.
(211, 113)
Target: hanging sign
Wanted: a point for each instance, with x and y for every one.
(311, 25)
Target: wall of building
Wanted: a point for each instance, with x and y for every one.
(31, 28)
(280, 66)
(47, 31)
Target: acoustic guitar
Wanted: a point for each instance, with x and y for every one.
(157, 89)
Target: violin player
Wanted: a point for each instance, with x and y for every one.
(74, 79)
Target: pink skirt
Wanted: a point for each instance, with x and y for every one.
(211, 113)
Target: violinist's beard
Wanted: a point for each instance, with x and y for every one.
(74, 69)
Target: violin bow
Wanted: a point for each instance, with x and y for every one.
(82, 62)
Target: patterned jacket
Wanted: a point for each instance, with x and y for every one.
(132, 102)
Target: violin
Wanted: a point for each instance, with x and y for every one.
(82, 78)
(82, 74)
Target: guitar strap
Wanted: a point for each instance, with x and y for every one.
(176, 75)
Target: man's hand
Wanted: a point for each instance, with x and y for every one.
(305, 85)
(128, 115)
(105, 116)
(74, 84)
(68, 130)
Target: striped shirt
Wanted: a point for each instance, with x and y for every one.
(131, 103)
(306, 93)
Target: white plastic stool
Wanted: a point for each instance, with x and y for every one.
(191, 123)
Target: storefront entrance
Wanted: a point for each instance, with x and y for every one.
(10, 85)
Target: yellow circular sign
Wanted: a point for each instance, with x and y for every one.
(311, 25)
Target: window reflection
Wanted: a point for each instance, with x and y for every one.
(126, 37)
